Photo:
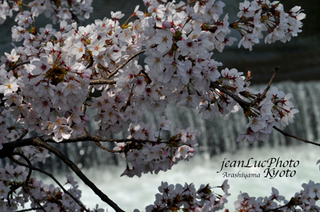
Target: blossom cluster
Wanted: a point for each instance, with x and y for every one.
(5, 133)
(16, 191)
(57, 11)
(275, 110)
(260, 16)
(305, 200)
(187, 198)
(147, 152)
(62, 70)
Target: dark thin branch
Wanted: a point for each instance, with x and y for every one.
(276, 69)
(102, 81)
(125, 63)
(240, 101)
(263, 95)
(292, 202)
(48, 174)
(17, 65)
(29, 164)
(104, 148)
(75, 17)
(77, 171)
(8, 148)
(295, 137)
(29, 209)
(190, 2)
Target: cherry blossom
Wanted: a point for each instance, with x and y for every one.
(49, 82)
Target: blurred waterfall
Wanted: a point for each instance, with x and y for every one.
(220, 134)
(217, 135)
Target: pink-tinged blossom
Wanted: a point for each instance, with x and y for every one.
(24, 19)
(140, 85)
(164, 40)
(155, 60)
(41, 66)
(187, 47)
(42, 106)
(46, 95)
(248, 40)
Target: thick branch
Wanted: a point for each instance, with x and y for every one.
(77, 171)
(8, 148)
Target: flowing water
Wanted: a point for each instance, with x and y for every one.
(218, 144)
(137, 193)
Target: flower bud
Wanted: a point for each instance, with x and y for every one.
(166, 24)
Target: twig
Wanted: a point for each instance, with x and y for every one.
(29, 209)
(293, 136)
(104, 148)
(17, 65)
(240, 101)
(125, 63)
(102, 81)
(190, 2)
(290, 203)
(8, 148)
(29, 163)
(48, 174)
(75, 17)
(263, 95)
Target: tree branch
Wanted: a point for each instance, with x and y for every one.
(77, 171)
(29, 209)
(8, 148)
(17, 65)
(48, 174)
(102, 81)
(104, 148)
(240, 101)
(125, 63)
(190, 2)
(295, 137)
(263, 95)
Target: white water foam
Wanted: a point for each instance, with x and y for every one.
(132, 193)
